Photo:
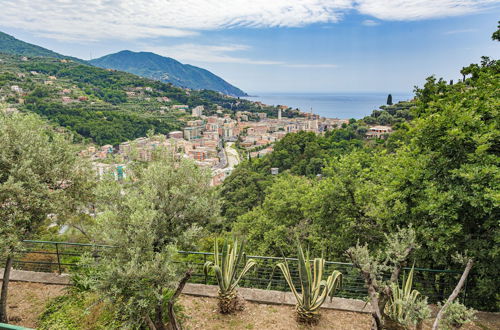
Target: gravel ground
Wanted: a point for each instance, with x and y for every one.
(201, 313)
(28, 300)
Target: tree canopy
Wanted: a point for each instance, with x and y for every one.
(439, 172)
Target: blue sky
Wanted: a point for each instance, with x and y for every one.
(274, 46)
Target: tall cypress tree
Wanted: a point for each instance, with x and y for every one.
(389, 99)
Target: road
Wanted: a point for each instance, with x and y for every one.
(233, 158)
(223, 159)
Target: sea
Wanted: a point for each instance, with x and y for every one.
(331, 105)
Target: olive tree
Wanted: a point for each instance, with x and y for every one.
(395, 307)
(40, 174)
(146, 219)
(372, 266)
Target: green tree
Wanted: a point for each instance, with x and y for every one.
(389, 99)
(388, 261)
(385, 119)
(496, 34)
(271, 228)
(243, 190)
(146, 221)
(445, 179)
(40, 174)
(342, 204)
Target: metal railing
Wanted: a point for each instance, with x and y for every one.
(12, 327)
(51, 256)
(63, 257)
(435, 284)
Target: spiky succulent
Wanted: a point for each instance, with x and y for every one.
(314, 290)
(406, 306)
(225, 267)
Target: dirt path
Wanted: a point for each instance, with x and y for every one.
(27, 301)
(201, 313)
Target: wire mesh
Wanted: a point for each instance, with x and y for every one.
(63, 257)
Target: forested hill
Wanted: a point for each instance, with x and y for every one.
(104, 105)
(13, 46)
(166, 69)
(143, 64)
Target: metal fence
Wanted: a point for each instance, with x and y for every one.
(435, 284)
(63, 257)
(52, 257)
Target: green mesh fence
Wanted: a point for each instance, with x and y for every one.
(62, 257)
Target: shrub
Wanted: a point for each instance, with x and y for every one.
(456, 315)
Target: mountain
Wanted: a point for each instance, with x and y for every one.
(148, 65)
(13, 46)
(166, 69)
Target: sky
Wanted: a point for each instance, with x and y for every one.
(274, 45)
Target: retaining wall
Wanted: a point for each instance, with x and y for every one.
(202, 290)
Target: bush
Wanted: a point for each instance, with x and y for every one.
(85, 310)
(456, 315)
(79, 311)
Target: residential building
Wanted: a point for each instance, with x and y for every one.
(378, 132)
(16, 89)
(175, 135)
(197, 111)
(193, 132)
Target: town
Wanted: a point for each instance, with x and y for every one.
(216, 142)
(214, 137)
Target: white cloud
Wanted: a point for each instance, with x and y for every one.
(207, 53)
(459, 31)
(312, 66)
(403, 10)
(370, 22)
(135, 19)
(189, 53)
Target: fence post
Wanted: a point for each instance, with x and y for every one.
(58, 258)
(206, 274)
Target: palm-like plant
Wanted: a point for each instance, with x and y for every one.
(314, 290)
(225, 267)
(406, 306)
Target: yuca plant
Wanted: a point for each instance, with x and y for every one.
(406, 307)
(314, 290)
(225, 267)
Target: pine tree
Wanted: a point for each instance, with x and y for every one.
(389, 99)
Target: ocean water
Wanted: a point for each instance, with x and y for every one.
(331, 105)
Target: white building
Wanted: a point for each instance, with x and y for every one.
(197, 111)
(378, 131)
(16, 89)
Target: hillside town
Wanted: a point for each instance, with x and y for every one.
(216, 142)
(214, 138)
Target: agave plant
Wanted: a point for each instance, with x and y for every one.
(406, 306)
(225, 268)
(314, 290)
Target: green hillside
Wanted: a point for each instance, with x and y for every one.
(13, 46)
(166, 69)
(143, 64)
(104, 105)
